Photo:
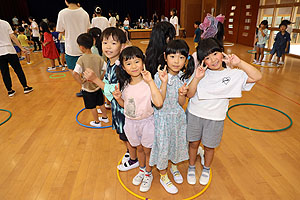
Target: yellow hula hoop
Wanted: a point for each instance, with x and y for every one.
(144, 198)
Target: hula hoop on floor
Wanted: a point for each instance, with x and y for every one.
(10, 114)
(145, 198)
(265, 66)
(228, 44)
(53, 76)
(254, 52)
(87, 125)
(261, 130)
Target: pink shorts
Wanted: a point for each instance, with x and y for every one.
(140, 132)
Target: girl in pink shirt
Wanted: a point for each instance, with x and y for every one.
(136, 93)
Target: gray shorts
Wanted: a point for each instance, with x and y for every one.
(260, 45)
(208, 131)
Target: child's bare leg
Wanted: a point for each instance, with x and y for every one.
(63, 59)
(278, 59)
(147, 152)
(27, 55)
(103, 110)
(132, 150)
(193, 148)
(95, 115)
(208, 155)
(52, 61)
(283, 57)
(262, 54)
(141, 156)
(271, 56)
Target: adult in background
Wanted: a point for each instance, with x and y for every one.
(99, 21)
(8, 54)
(73, 21)
(35, 34)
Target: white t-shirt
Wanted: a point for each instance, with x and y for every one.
(73, 23)
(100, 22)
(174, 21)
(126, 23)
(35, 32)
(6, 46)
(214, 91)
(112, 21)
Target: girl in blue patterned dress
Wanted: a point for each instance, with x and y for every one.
(170, 121)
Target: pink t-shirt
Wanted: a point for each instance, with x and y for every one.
(137, 101)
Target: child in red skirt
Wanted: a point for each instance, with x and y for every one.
(49, 48)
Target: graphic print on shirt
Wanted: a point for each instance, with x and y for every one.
(130, 108)
(226, 80)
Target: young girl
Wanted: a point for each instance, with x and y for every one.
(161, 34)
(112, 19)
(138, 93)
(281, 44)
(170, 121)
(174, 20)
(49, 48)
(113, 41)
(209, 93)
(261, 38)
(56, 40)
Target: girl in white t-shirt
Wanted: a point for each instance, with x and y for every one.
(209, 96)
(112, 22)
(174, 20)
(136, 93)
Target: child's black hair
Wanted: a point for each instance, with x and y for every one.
(45, 27)
(197, 23)
(264, 22)
(208, 46)
(158, 44)
(21, 29)
(98, 10)
(52, 26)
(73, 1)
(25, 26)
(127, 54)
(287, 22)
(180, 46)
(220, 34)
(174, 11)
(96, 34)
(117, 34)
(282, 25)
(85, 40)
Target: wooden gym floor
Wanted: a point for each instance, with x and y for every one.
(46, 155)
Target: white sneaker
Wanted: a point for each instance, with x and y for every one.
(63, 68)
(126, 166)
(59, 65)
(258, 63)
(254, 62)
(146, 184)
(104, 120)
(204, 178)
(138, 178)
(99, 111)
(177, 176)
(126, 157)
(168, 185)
(93, 123)
(51, 68)
(201, 153)
(191, 177)
(28, 63)
(281, 63)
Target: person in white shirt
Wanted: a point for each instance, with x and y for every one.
(35, 34)
(99, 21)
(73, 21)
(174, 20)
(112, 19)
(8, 55)
(215, 82)
(126, 23)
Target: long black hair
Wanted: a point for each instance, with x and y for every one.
(158, 44)
(180, 46)
(128, 53)
(96, 34)
(208, 46)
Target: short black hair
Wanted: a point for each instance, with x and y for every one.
(52, 25)
(282, 24)
(73, 1)
(25, 26)
(197, 23)
(117, 34)
(85, 40)
(21, 29)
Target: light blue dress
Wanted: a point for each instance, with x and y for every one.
(170, 127)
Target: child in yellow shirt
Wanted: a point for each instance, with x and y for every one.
(25, 43)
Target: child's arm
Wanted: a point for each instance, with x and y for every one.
(163, 76)
(118, 96)
(199, 74)
(182, 92)
(157, 98)
(90, 75)
(77, 77)
(253, 74)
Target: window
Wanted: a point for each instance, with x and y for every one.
(283, 13)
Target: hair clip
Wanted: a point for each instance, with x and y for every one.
(189, 57)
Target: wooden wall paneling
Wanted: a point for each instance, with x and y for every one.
(247, 21)
(190, 12)
(231, 24)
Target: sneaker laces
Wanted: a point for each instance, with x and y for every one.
(167, 181)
